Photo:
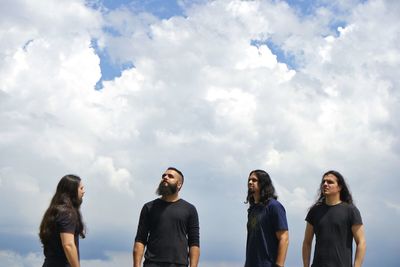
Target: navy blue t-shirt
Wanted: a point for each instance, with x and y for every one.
(263, 223)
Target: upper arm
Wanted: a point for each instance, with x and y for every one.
(279, 217)
(309, 233)
(67, 223)
(358, 233)
(67, 239)
(194, 229)
(282, 235)
(143, 227)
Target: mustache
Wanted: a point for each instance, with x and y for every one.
(166, 190)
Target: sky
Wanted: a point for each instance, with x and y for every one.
(117, 91)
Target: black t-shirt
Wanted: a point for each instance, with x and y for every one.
(66, 222)
(168, 229)
(332, 229)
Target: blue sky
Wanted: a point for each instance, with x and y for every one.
(116, 91)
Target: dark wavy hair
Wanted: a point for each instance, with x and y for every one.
(267, 189)
(345, 195)
(65, 200)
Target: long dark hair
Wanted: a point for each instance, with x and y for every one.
(267, 189)
(64, 200)
(345, 195)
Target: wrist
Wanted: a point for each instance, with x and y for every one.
(277, 265)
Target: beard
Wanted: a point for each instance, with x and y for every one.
(77, 202)
(251, 191)
(166, 190)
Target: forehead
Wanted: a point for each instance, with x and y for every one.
(174, 173)
(170, 171)
(253, 176)
(329, 177)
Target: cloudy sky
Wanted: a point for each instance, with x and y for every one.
(116, 91)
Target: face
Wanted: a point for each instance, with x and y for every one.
(170, 183)
(81, 191)
(330, 185)
(253, 185)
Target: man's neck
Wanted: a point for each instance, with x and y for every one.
(171, 198)
(256, 198)
(332, 200)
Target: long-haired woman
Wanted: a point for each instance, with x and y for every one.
(62, 224)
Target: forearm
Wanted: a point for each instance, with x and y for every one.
(71, 253)
(282, 251)
(360, 253)
(306, 253)
(138, 251)
(194, 255)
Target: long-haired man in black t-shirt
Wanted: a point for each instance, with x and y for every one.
(62, 224)
(168, 227)
(335, 222)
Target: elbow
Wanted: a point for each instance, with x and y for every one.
(138, 247)
(362, 244)
(68, 246)
(306, 244)
(285, 241)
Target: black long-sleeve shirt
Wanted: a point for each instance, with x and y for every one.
(168, 229)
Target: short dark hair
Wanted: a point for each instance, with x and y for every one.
(178, 171)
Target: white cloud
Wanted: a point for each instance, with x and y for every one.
(199, 96)
(117, 178)
(13, 259)
(394, 206)
(233, 104)
(114, 259)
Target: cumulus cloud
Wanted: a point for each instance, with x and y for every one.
(208, 93)
(12, 259)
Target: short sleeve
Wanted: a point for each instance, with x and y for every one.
(193, 228)
(310, 216)
(355, 216)
(143, 230)
(66, 222)
(280, 220)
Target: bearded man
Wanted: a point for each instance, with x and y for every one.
(267, 227)
(168, 227)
